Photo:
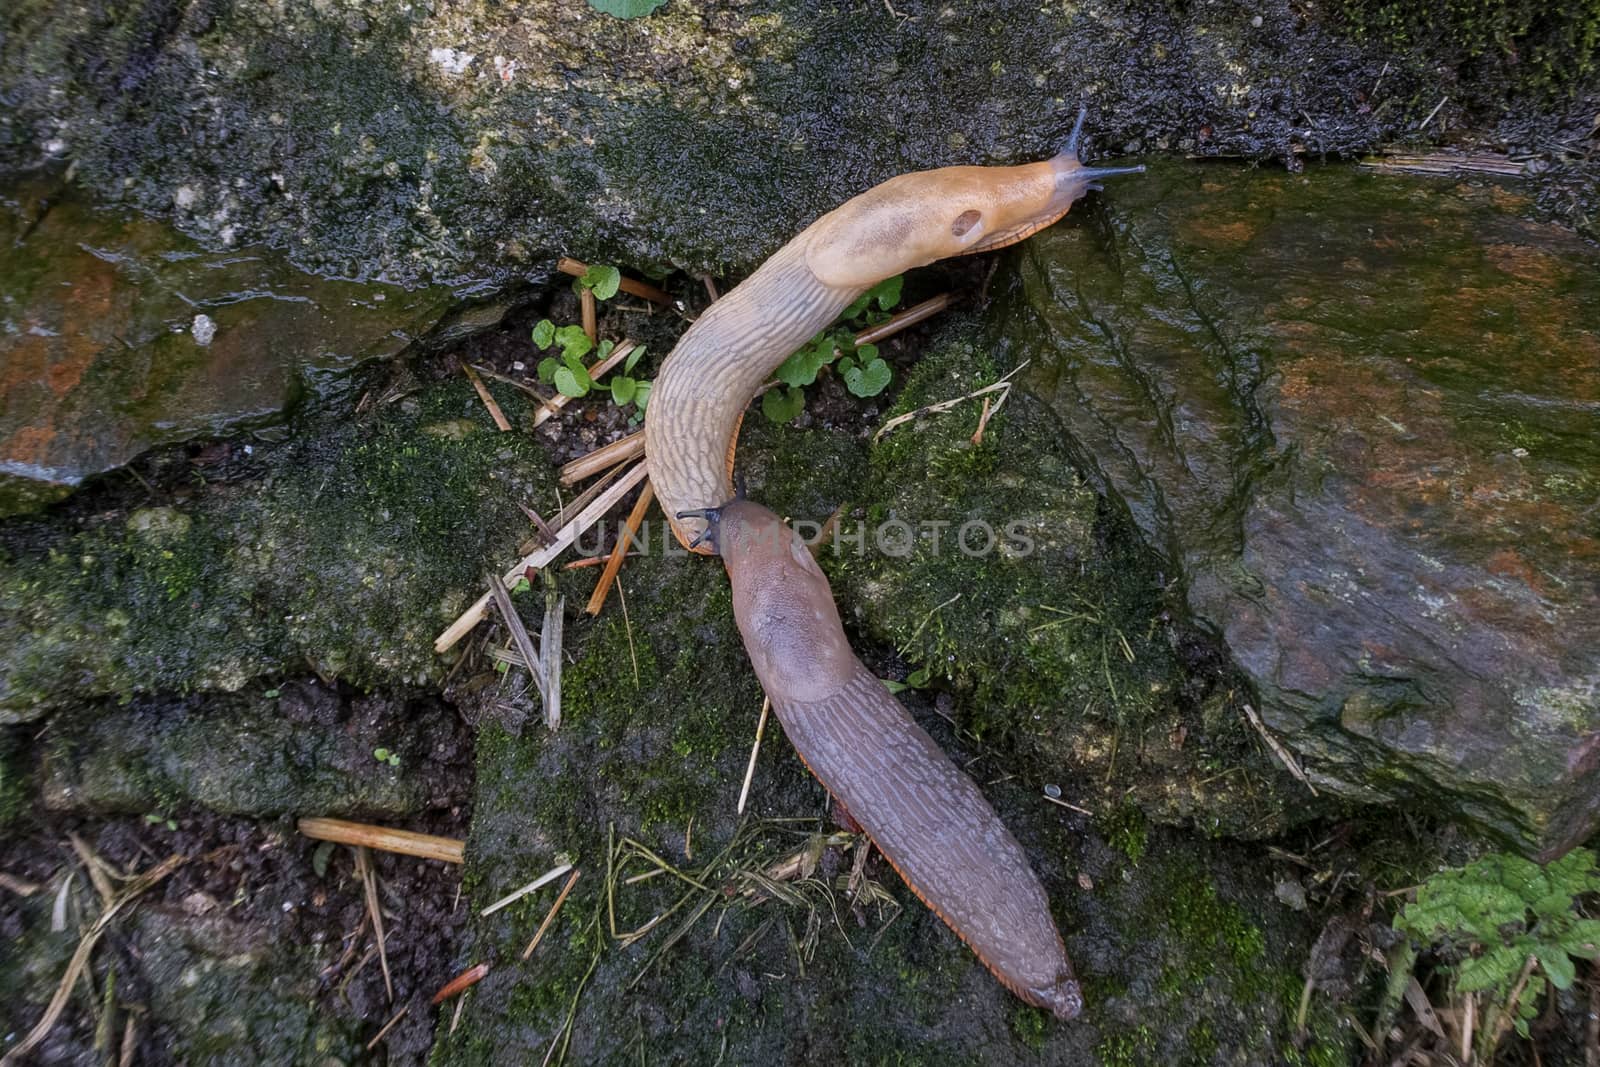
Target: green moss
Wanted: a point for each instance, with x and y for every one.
(1523, 43)
(1054, 636)
(1206, 961)
(1202, 1041)
(334, 559)
(1045, 618)
(1125, 830)
(1217, 937)
(1030, 1025)
(237, 755)
(1131, 1048)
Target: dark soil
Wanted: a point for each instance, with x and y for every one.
(262, 875)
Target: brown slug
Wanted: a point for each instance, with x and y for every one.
(926, 817)
(924, 814)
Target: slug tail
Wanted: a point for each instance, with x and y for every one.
(938, 832)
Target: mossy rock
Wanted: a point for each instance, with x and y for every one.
(995, 568)
(299, 750)
(361, 544)
(474, 143)
(1186, 954)
(1353, 412)
(1181, 954)
(1545, 48)
(122, 335)
(226, 993)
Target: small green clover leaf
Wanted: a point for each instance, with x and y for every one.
(783, 403)
(602, 280)
(868, 377)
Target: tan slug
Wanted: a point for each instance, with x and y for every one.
(924, 814)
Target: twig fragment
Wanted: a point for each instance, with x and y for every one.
(755, 750)
(592, 561)
(1436, 109)
(94, 866)
(550, 641)
(1003, 387)
(383, 838)
(590, 314)
(461, 982)
(858, 869)
(603, 458)
(1278, 750)
(644, 290)
(905, 319)
(983, 420)
(130, 1040)
(1069, 807)
(487, 397)
(515, 895)
(1506, 1015)
(539, 524)
(20, 886)
(393, 1019)
(519, 636)
(369, 887)
(542, 556)
(515, 383)
(627, 628)
(1423, 1009)
(625, 541)
(576, 505)
(1447, 163)
(550, 915)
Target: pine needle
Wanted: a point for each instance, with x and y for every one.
(625, 541)
(80, 958)
(369, 885)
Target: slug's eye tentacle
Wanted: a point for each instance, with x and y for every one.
(713, 519)
(1073, 139)
(1093, 174)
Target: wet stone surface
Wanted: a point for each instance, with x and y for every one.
(1357, 415)
(118, 334)
(469, 143)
